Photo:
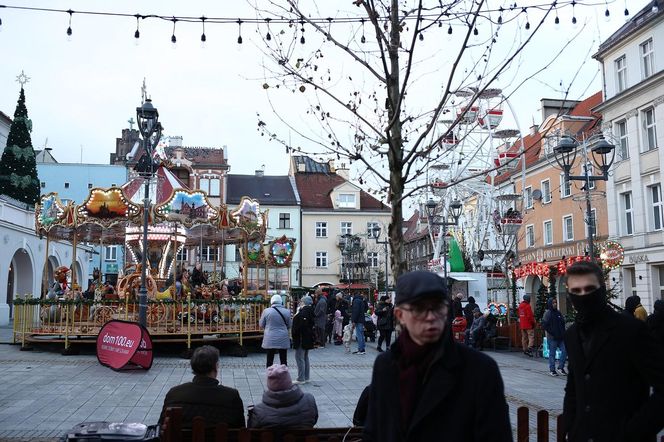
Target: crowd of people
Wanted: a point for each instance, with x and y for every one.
(428, 384)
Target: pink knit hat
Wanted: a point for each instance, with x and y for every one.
(278, 378)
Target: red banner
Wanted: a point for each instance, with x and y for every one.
(124, 345)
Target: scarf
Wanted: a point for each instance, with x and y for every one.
(413, 362)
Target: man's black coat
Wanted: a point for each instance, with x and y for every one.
(462, 399)
(303, 328)
(203, 396)
(607, 397)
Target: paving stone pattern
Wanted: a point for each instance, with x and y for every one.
(43, 393)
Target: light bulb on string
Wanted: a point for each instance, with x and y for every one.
(268, 36)
(607, 15)
(137, 34)
(239, 31)
(363, 39)
(69, 31)
(0, 25)
(174, 40)
(449, 33)
(476, 34)
(574, 21)
(203, 36)
(302, 40)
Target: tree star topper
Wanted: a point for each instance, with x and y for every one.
(22, 79)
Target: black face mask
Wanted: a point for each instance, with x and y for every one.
(588, 307)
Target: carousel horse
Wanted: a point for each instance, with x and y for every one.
(58, 290)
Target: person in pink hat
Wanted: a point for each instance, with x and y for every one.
(284, 404)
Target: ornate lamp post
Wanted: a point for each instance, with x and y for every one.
(376, 234)
(455, 210)
(603, 154)
(150, 128)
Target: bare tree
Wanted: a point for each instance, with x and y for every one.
(378, 82)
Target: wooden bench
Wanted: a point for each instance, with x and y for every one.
(172, 431)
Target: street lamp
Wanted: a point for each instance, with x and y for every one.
(376, 234)
(150, 128)
(603, 154)
(455, 210)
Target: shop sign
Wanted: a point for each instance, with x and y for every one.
(637, 259)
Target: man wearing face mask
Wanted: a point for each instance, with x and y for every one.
(613, 365)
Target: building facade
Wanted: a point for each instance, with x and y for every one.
(554, 221)
(633, 73)
(336, 215)
(278, 196)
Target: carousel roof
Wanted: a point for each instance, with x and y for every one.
(162, 186)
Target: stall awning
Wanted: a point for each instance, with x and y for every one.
(463, 278)
(353, 286)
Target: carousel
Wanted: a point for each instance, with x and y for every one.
(177, 311)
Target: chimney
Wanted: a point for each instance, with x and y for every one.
(533, 129)
(175, 141)
(343, 172)
(301, 167)
(259, 173)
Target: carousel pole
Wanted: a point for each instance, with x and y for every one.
(101, 259)
(45, 273)
(73, 261)
(216, 252)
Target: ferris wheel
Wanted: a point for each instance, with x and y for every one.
(476, 149)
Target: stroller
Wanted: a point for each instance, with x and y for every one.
(369, 329)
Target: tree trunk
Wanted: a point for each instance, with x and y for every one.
(395, 152)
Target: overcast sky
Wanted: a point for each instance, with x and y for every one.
(83, 91)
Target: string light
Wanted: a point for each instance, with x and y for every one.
(174, 40)
(607, 14)
(573, 14)
(203, 37)
(527, 19)
(268, 37)
(449, 33)
(69, 31)
(239, 31)
(302, 40)
(421, 36)
(137, 34)
(500, 17)
(363, 38)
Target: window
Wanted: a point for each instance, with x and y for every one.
(660, 272)
(628, 228)
(591, 224)
(647, 59)
(530, 236)
(238, 257)
(621, 73)
(210, 253)
(631, 276)
(656, 203)
(43, 184)
(548, 232)
(649, 129)
(284, 220)
(321, 229)
(111, 253)
(321, 259)
(66, 185)
(546, 192)
(347, 200)
(209, 185)
(568, 228)
(528, 197)
(346, 228)
(372, 259)
(621, 134)
(565, 187)
(183, 254)
(370, 229)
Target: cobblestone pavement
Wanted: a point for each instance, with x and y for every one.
(44, 393)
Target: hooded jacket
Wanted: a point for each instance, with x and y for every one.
(553, 322)
(526, 317)
(290, 408)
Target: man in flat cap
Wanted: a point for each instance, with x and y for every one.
(444, 390)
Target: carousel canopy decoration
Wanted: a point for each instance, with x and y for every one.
(187, 208)
(254, 252)
(249, 218)
(107, 207)
(49, 212)
(280, 251)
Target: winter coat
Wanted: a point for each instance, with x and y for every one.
(359, 308)
(205, 397)
(303, 328)
(526, 317)
(553, 322)
(640, 313)
(607, 396)
(385, 313)
(457, 308)
(320, 312)
(275, 333)
(655, 324)
(290, 408)
(462, 399)
(468, 312)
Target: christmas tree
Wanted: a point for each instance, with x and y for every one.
(18, 166)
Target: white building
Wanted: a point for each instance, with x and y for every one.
(633, 72)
